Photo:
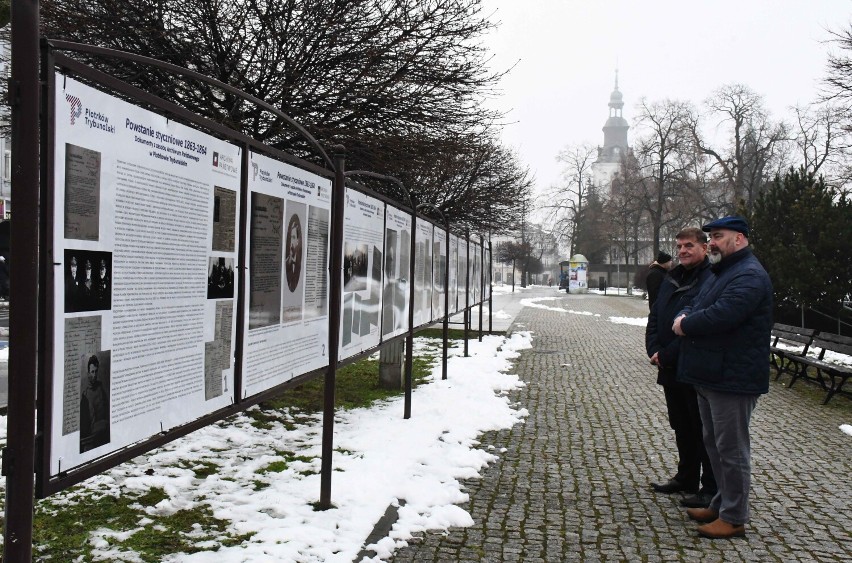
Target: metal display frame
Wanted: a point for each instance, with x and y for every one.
(34, 277)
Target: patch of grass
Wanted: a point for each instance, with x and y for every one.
(282, 464)
(202, 469)
(357, 385)
(152, 497)
(61, 531)
(452, 334)
(274, 467)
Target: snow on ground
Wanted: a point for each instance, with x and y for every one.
(537, 303)
(379, 459)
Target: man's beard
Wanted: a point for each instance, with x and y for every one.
(714, 257)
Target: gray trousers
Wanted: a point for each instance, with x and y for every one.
(726, 417)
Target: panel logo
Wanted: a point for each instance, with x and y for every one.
(91, 119)
(254, 169)
(224, 162)
(76, 107)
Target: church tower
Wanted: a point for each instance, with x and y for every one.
(615, 148)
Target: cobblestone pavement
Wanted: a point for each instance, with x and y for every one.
(573, 484)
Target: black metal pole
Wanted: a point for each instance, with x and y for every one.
(490, 292)
(466, 289)
(19, 455)
(481, 281)
(446, 297)
(338, 198)
(409, 339)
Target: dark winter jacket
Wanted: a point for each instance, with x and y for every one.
(678, 290)
(727, 327)
(653, 282)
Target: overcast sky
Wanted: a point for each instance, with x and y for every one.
(567, 50)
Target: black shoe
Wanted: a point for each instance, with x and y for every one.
(672, 486)
(698, 500)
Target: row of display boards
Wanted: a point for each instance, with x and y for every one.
(150, 243)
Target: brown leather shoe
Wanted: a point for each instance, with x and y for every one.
(702, 514)
(719, 530)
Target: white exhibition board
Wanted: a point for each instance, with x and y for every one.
(439, 256)
(423, 273)
(287, 297)
(464, 274)
(395, 288)
(476, 273)
(363, 247)
(454, 273)
(145, 239)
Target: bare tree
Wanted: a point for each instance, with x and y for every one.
(564, 204)
(753, 152)
(391, 80)
(838, 80)
(664, 157)
(822, 142)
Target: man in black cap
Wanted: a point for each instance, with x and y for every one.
(658, 271)
(724, 354)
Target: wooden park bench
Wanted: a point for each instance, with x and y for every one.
(830, 368)
(788, 342)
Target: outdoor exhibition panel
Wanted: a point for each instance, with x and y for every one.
(363, 246)
(439, 259)
(145, 238)
(423, 273)
(287, 236)
(454, 274)
(396, 274)
(464, 274)
(473, 261)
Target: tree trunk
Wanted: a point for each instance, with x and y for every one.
(390, 365)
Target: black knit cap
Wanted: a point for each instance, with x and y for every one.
(662, 257)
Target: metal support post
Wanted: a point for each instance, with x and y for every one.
(338, 198)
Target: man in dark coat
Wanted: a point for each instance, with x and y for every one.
(679, 288)
(724, 354)
(659, 269)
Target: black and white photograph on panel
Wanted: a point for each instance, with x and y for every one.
(347, 317)
(316, 263)
(220, 278)
(375, 290)
(265, 260)
(355, 267)
(94, 400)
(82, 193)
(88, 280)
(224, 219)
(294, 260)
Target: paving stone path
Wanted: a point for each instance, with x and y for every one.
(573, 483)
